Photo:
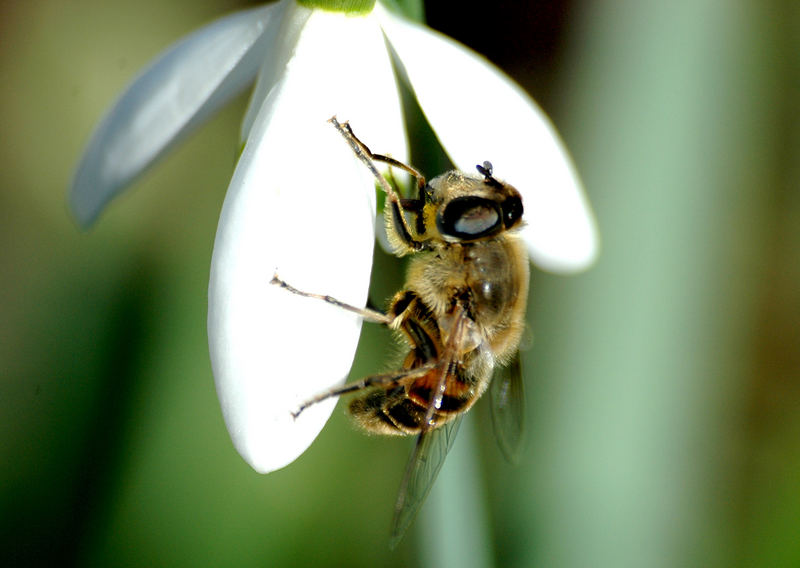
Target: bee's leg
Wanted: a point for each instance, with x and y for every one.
(385, 380)
(368, 314)
(397, 205)
(362, 151)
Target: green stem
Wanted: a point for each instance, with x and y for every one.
(351, 7)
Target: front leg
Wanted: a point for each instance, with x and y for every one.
(398, 221)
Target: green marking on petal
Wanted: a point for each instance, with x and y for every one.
(349, 7)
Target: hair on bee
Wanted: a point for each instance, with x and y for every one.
(460, 315)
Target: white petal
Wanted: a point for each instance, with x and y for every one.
(179, 91)
(480, 114)
(280, 49)
(301, 203)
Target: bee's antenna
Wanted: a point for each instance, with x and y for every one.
(486, 171)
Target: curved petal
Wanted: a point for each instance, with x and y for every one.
(299, 203)
(281, 49)
(179, 91)
(480, 114)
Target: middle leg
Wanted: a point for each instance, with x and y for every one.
(368, 314)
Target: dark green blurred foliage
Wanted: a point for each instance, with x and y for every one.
(663, 386)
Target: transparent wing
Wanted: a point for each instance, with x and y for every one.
(423, 466)
(507, 397)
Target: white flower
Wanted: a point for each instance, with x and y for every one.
(301, 203)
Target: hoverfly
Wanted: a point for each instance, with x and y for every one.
(461, 313)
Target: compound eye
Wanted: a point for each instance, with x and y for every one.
(469, 218)
(512, 211)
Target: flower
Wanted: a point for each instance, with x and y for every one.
(301, 203)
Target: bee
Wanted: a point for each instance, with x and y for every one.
(461, 313)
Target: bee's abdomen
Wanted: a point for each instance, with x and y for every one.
(386, 412)
(397, 412)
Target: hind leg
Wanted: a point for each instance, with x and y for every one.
(386, 380)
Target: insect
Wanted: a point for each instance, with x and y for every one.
(461, 313)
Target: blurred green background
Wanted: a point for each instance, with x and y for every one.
(663, 385)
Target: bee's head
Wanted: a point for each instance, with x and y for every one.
(466, 207)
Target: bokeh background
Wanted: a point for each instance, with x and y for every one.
(663, 386)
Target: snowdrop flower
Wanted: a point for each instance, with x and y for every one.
(301, 203)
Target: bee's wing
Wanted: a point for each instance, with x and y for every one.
(508, 408)
(423, 466)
